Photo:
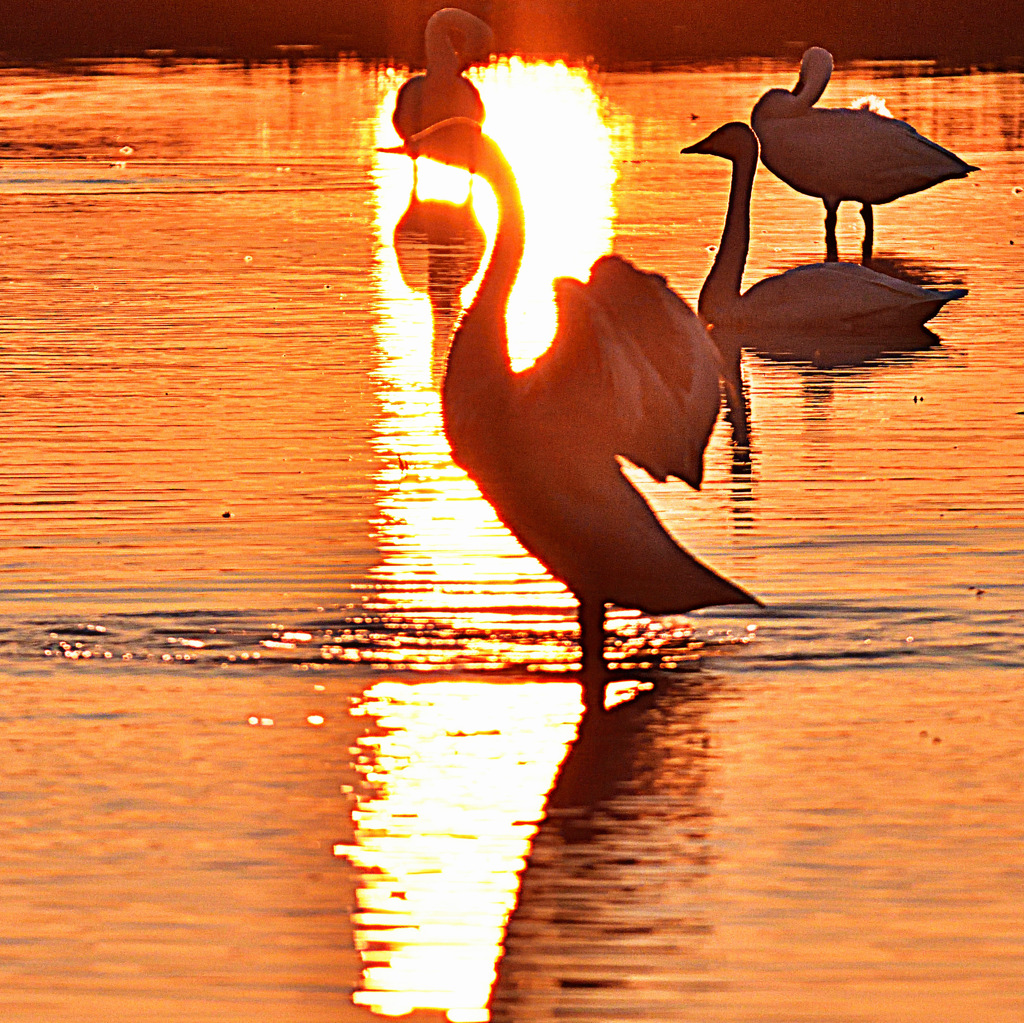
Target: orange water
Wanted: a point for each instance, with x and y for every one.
(283, 699)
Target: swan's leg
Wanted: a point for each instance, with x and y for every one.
(831, 245)
(591, 616)
(868, 213)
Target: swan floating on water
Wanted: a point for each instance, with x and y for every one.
(631, 372)
(839, 155)
(845, 295)
(455, 39)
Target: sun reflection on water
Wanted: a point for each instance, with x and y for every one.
(444, 555)
(457, 774)
(457, 771)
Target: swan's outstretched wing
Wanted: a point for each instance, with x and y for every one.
(631, 370)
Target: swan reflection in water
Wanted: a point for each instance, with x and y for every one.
(613, 897)
(439, 246)
(815, 350)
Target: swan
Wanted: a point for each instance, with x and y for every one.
(631, 372)
(454, 39)
(845, 155)
(844, 295)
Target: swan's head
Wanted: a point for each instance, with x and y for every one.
(456, 141)
(451, 29)
(815, 71)
(734, 141)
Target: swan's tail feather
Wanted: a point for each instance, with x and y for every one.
(687, 586)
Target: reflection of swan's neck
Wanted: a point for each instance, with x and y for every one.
(722, 287)
(491, 301)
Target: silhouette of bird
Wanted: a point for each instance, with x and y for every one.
(631, 372)
(454, 39)
(845, 295)
(845, 155)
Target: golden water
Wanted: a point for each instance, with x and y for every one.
(283, 701)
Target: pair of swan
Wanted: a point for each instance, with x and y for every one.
(832, 295)
(841, 155)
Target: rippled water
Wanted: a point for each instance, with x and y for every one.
(283, 702)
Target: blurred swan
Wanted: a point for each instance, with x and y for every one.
(631, 372)
(845, 295)
(839, 155)
(454, 39)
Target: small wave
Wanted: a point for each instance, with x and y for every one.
(544, 640)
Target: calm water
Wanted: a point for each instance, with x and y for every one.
(282, 700)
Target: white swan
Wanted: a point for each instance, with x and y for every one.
(845, 295)
(631, 372)
(455, 39)
(839, 155)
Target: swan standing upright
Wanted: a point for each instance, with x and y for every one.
(631, 372)
(844, 295)
(443, 91)
(845, 155)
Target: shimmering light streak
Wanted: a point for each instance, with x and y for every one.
(443, 551)
(457, 774)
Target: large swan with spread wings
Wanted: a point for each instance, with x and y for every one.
(837, 155)
(631, 372)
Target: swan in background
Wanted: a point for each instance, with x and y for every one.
(631, 372)
(455, 39)
(845, 295)
(838, 155)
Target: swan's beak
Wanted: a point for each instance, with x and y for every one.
(697, 147)
(398, 150)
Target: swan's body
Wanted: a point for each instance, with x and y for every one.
(843, 295)
(839, 155)
(443, 91)
(631, 372)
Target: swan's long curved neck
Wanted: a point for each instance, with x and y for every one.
(491, 302)
(442, 56)
(722, 286)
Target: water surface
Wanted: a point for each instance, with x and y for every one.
(284, 701)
